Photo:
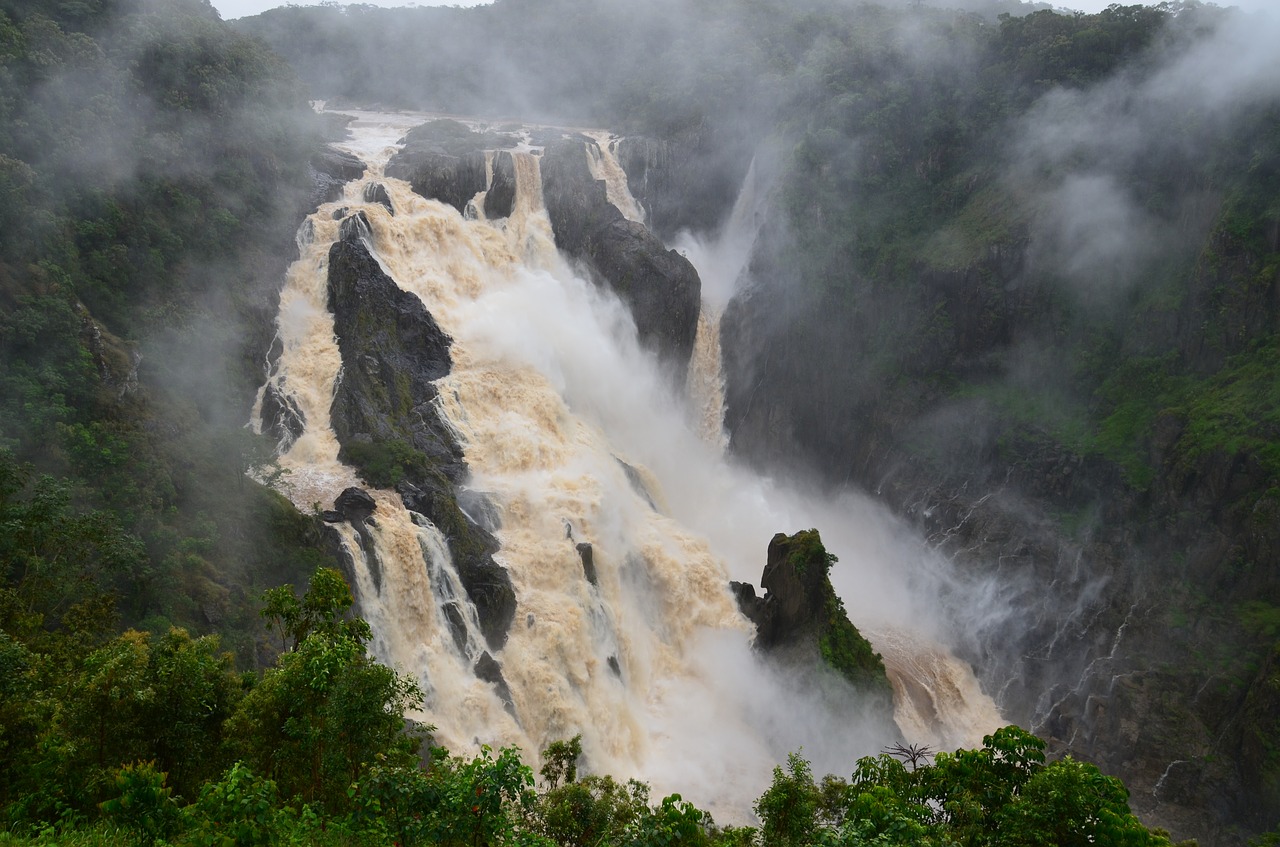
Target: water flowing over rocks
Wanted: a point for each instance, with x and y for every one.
(659, 286)
(385, 416)
(376, 192)
(281, 416)
(331, 169)
(486, 582)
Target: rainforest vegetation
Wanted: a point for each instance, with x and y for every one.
(150, 738)
(153, 169)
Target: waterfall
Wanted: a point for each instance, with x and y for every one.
(568, 428)
(603, 161)
(720, 259)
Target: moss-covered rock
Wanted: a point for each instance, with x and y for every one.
(386, 419)
(801, 609)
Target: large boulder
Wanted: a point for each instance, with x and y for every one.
(439, 176)
(659, 286)
(445, 160)
(331, 169)
(392, 353)
(500, 200)
(800, 613)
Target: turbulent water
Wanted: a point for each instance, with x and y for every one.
(573, 433)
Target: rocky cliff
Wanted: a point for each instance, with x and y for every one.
(659, 286)
(385, 416)
(1129, 518)
(801, 618)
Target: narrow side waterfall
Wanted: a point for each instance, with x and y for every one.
(720, 260)
(568, 429)
(603, 161)
(706, 380)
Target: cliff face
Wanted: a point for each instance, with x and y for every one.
(659, 286)
(1143, 528)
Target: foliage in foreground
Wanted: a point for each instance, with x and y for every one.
(154, 738)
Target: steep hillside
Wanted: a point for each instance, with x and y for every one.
(153, 168)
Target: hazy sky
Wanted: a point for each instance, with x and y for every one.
(239, 8)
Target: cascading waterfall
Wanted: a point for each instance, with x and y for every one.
(604, 165)
(720, 262)
(567, 427)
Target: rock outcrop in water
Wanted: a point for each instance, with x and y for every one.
(500, 199)
(801, 615)
(659, 286)
(386, 420)
(331, 169)
(444, 160)
(392, 353)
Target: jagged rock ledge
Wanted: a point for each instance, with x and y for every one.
(659, 286)
(388, 424)
(331, 169)
(802, 618)
(445, 160)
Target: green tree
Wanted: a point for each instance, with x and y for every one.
(324, 609)
(327, 711)
(788, 810)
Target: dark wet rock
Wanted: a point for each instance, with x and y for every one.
(437, 176)
(687, 182)
(501, 197)
(801, 615)
(588, 562)
(392, 352)
(281, 416)
(340, 213)
(659, 286)
(454, 138)
(376, 192)
(444, 160)
(331, 169)
(332, 516)
(488, 670)
(338, 164)
(355, 505)
(615, 667)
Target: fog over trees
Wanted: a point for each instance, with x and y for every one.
(1013, 274)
